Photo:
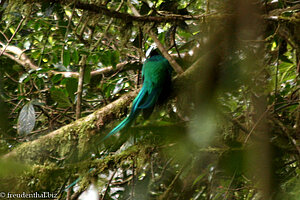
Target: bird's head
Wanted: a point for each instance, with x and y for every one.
(154, 52)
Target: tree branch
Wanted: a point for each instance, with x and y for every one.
(160, 46)
(14, 34)
(21, 58)
(80, 86)
(142, 18)
(72, 141)
(165, 53)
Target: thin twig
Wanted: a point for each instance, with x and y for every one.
(142, 18)
(109, 182)
(9, 41)
(6, 38)
(226, 193)
(170, 187)
(106, 29)
(165, 53)
(286, 131)
(159, 45)
(80, 86)
(257, 122)
(67, 32)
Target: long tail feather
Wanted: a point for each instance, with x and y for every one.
(139, 98)
(133, 113)
(151, 99)
(126, 121)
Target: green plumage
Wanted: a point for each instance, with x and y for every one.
(156, 74)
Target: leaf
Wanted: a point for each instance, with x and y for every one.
(75, 56)
(58, 95)
(105, 58)
(87, 74)
(198, 178)
(93, 59)
(36, 54)
(118, 86)
(62, 25)
(39, 83)
(27, 44)
(36, 25)
(71, 86)
(285, 59)
(24, 78)
(16, 14)
(114, 58)
(110, 58)
(56, 78)
(50, 40)
(48, 8)
(43, 71)
(26, 120)
(36, 102)
(54, 58)
(66, 58)
(60, 67)
(287, 68)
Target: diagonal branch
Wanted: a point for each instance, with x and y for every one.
(165, 53)
(141, 18)
(160, 46)
(72, 142)
(16, 54)
(101, 9)
(74, 137)
(9, 41)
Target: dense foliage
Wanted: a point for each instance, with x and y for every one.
(230, 129)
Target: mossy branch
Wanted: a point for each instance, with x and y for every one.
(73, 141)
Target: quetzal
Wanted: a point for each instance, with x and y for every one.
(156, 74)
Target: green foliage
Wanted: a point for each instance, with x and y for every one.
(230, 129)
(59, 96)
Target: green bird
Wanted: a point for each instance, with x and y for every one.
(156, 74)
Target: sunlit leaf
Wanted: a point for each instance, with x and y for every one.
(119, 86)
(24, 78)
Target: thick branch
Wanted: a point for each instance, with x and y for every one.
(127, 17)
(18, 56)
(72, 142)
(142, 18)
(76, 137)
(173, 63)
